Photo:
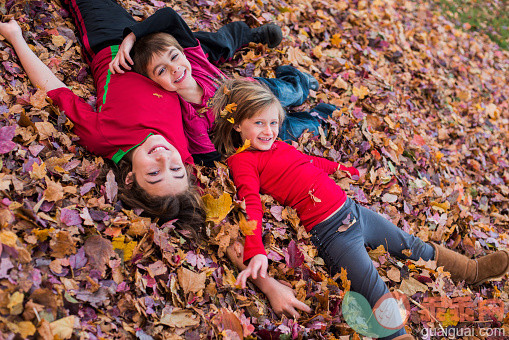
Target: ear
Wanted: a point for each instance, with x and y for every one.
(236, 127)
(129, 179)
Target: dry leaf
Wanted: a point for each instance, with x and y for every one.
(191, 281)
(217, 209)
(247, 227)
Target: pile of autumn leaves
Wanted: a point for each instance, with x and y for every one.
(422, 112)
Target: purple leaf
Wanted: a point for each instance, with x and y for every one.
(6, 135)
(86, 188)
(293, 256)
(70, 217)
(79, 260)
(111, 186)
(5, 265)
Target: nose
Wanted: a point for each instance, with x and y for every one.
(174, 68)
(268, 130)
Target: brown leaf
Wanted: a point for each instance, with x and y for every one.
(226, 320)
(180, 318)
(98, 251)
(62, 245)
(54, 191)
(191, 281)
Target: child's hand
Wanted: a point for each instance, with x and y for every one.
(123, 59)
(10, 30)
(352, 172)
(283, 300)
(257, 266)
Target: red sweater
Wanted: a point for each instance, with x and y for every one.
(130, 107)
(293, 179)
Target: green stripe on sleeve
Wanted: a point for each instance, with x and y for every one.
(114, 51)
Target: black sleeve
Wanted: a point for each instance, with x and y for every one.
(207, 159)
(164, 20)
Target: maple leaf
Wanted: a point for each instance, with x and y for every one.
(217, 209)
(336, 40)
(247, 227)
(360, 92)
(38, 171)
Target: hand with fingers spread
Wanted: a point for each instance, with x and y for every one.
(257, 267)
(123, 60)
(283, 300)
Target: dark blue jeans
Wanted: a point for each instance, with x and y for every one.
(347, 250)
(296, 122)
(290, 86)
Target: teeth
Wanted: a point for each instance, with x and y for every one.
(158, 149)
(181, 76)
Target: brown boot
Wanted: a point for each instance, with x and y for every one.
(404, 337)
(476, 271)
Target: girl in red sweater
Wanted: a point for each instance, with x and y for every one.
(340, 228)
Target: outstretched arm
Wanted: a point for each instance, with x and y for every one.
(281, 297)
(40, 75)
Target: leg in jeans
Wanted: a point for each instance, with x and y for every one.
(347, 250)
(296, 123)
(290, 86)
(100, 23)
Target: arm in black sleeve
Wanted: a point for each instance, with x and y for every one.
(168, 21)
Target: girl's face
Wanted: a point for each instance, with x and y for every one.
(171, 70)
(261, 129)
(158, 167)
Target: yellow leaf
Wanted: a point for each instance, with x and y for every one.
(317, 51)
(38, 171)
(125, 248)
(62, 328)
(344, 280)
(247, 145)
(157, 95)
(336, 40)
(230, 108)
(16, 303)
(247, 227)
(360, 92)
(8, 238)
(26, 329)
(231, 120)
(58, 40)
(217, 209)
(42, 234)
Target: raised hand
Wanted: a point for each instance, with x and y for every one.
(257, 266)
(123, 60)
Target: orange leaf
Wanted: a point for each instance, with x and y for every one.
(247, 227)
(247, 145)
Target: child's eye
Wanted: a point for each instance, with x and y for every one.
(153, 173)
(274, 123)
(258, 123)
(161, 71)
(175, 56)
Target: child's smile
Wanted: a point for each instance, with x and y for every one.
(261, 129)
(171, 70)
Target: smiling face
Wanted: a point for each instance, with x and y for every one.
(171, 70)
(158, 168)
(261, 129)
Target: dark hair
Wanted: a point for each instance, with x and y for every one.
(246, 99)
(186, 208)
(146, 47)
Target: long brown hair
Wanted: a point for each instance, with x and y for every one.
(235, 101)
(186, 208)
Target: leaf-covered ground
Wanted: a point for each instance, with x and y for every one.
(422, 112)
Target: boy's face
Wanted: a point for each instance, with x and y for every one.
(158, 167)
(261, 129)
(171, 70)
